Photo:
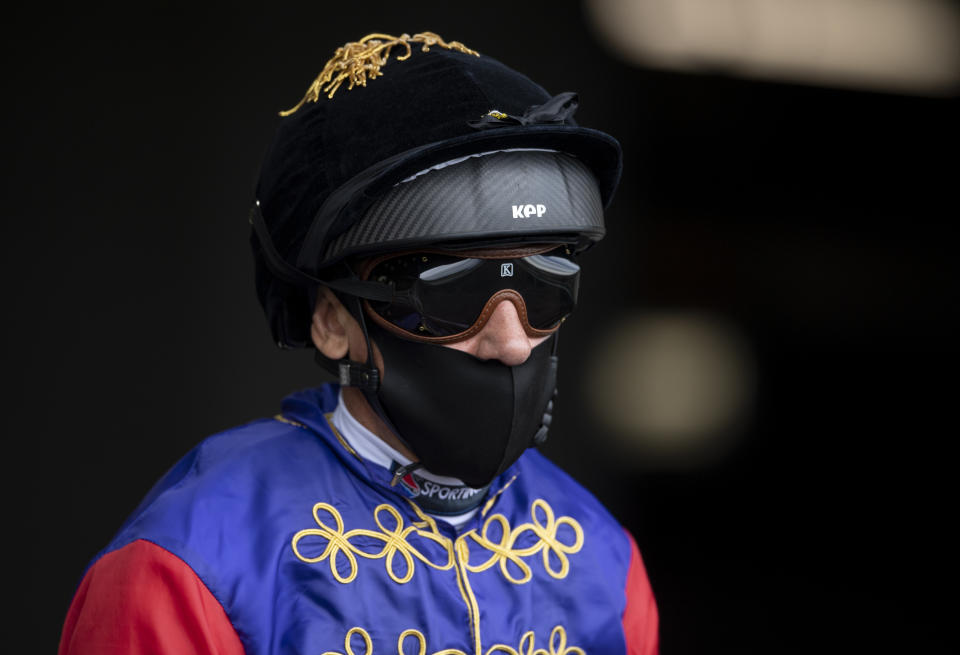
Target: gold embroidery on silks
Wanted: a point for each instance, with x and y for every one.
(288, 421)
(493, 498)
(557, 645)
(394, 540)
(336, 433)
(348, 649)
(503, 552)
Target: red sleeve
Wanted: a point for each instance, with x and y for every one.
(142, 599)
(640, 618)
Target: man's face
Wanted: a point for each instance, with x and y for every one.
(501, 331)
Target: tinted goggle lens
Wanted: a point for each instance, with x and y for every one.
(440, 295)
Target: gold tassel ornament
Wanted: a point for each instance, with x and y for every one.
(358, 61)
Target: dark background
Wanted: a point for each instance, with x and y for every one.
(821, 223)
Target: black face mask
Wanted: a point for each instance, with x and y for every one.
(463, 417)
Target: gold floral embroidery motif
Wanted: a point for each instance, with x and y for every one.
(556, 646)
(504, 551)
(395, 540)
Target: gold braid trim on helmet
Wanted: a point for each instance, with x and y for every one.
(360, 60)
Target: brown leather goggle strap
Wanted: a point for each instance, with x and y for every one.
(489, 306)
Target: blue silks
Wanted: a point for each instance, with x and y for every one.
(310, 550)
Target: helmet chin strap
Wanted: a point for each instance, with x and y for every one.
(370, 393)
(365, 376)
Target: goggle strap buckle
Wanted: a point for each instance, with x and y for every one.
(356, 374)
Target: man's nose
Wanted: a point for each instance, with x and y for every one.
(502, 337)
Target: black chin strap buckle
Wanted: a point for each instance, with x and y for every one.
(541, 436)
(355, 374)
(350, 373)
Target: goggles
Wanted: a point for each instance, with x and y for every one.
(440, 297)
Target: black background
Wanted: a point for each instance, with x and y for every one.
(821, 223)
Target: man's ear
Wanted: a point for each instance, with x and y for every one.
(328, 328)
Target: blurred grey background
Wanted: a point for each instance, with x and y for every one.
(760, 381)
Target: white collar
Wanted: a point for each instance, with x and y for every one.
(375, 450)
